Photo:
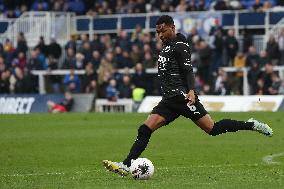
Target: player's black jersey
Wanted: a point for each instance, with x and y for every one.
(174, 67)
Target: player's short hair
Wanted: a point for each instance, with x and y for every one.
(168, 20)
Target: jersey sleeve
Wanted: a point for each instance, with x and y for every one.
(183, 57)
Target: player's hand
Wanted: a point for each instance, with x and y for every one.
(190, 97)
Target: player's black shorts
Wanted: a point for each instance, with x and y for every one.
(172, 108)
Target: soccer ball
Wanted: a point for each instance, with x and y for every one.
(142, 169)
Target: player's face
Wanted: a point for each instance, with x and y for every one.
(165, 32)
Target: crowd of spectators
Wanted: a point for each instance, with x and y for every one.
(108, 58)
(14, 8)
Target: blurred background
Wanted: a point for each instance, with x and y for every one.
(103, 53)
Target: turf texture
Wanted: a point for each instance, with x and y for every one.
(65, 151)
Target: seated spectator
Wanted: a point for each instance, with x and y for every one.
(139, 78)
(21, 43)
(70, 59)
(72, 82)
(267, 77)
(272, 50)
(5, 82)
(90, 79)
(54, 48)
(276, 83)
(221, 84)
(125, 88)
(63, 106)
(281, 88)
(55, 80)
(263, 58)
(257, 6)
(42, 46)
(252, 57)
(260, 87)
(34, 62)
(79, 62)
(20, 61)
(111, 91)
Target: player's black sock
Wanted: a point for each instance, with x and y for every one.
(144, 134)
(228, 125)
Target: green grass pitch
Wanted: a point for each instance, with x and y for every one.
(65, 151)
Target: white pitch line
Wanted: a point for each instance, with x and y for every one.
(269, 158)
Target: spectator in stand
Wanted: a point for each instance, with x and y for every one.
(281, 88)
(204, 53)
(239, 62)
(281, 47)
(21, 44)
(111, 91)
(135, 54)
(64, 106)
(96, 59)
(263, 58)
(1, 49)
(272, 50)
(276, 83)
(257, 6)
(267, 77)
(221, 84)
(201, 5)
(5, 82)
(247, 40)
(70, 59)
(259, 87)
(148, 61)
(118, 58)
(79, 63)
(217, 45)
(34, 62)
(86, 51)
(123, 41)
(252, 57)
(90, 79)
(221, 5)
(126, 60)
(105, 71)
(54, 49)
(71, 43)
(120, 7)
(20, 61)
(139, 77)
(137, 34)
(76, 6)
(182, 6)
(232, 47)
(96, 44)
(253, 75)
(42, 46)
(9, 51)
(72, 82)
(125, 88)
(40, 5)
(266, 6)
(20, 84)
(55, 80)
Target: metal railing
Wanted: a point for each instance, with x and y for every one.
(35, 24)
(42, 73)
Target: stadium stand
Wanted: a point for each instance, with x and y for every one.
(104, 54)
